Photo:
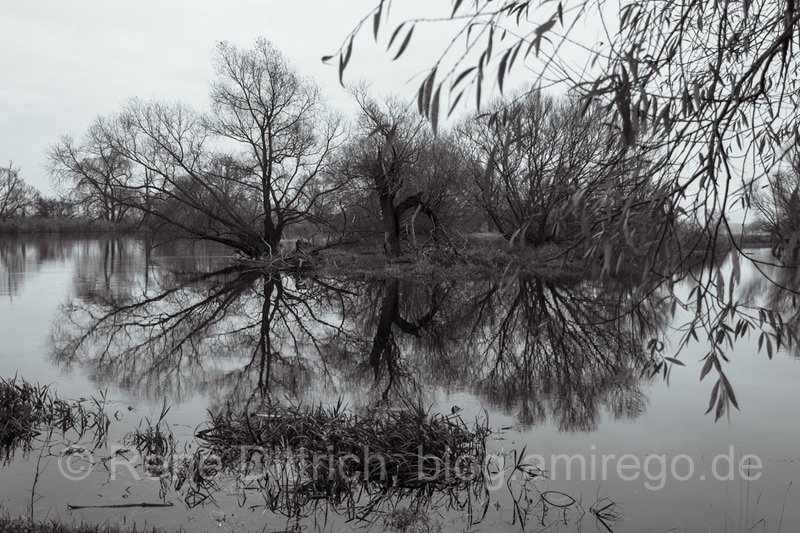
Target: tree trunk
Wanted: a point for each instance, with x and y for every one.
(383, 342)
(260, 244)
(391, 226)
(265, 341)
(274, 239)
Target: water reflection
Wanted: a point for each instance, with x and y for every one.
(565, 353)
(543, 350)
(173, 324)
(22, 256)
(230, 330)
(776, 290)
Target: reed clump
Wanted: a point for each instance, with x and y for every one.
(28, 409)
(299, 457)
(404, 447)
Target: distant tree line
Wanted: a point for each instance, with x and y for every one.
(778, 204)
(269, 154)
(19, 199)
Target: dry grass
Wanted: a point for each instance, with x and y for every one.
(19, 525)
(472, 256)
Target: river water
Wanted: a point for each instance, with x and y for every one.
(562, 373)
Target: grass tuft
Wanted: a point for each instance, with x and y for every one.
(21, 525)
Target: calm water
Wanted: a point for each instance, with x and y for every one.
(547, 363)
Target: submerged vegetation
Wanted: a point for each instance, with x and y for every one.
(28, 410)
(398, 467)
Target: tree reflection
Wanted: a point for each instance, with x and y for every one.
(567, 352)
(544, 350)
(229, 334)
(382, 317)
(22, 256)
(775, 294)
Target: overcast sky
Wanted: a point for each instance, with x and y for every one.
(63, 63)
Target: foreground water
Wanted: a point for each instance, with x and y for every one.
(557, 377)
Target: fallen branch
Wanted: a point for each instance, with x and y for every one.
(118, 505)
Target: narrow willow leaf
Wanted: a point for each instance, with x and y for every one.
(707, 366)
(489, 46)
(547, 26)
(713, 399)
(456, 5)
(435, 110)
(349, 52)
(720, 408)
(395, 33)
(461, 76)
(501, 70)
(455, 103)
(404, 45)
(376, 22)
(729, 391)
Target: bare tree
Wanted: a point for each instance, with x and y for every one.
(15, 195)
(531, 153)
(448, 195)
(278, 118)
(92, 174)
(241, 173)
(383, 158)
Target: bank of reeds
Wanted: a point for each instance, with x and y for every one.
(27, 410)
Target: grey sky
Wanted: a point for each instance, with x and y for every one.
(62, 63)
